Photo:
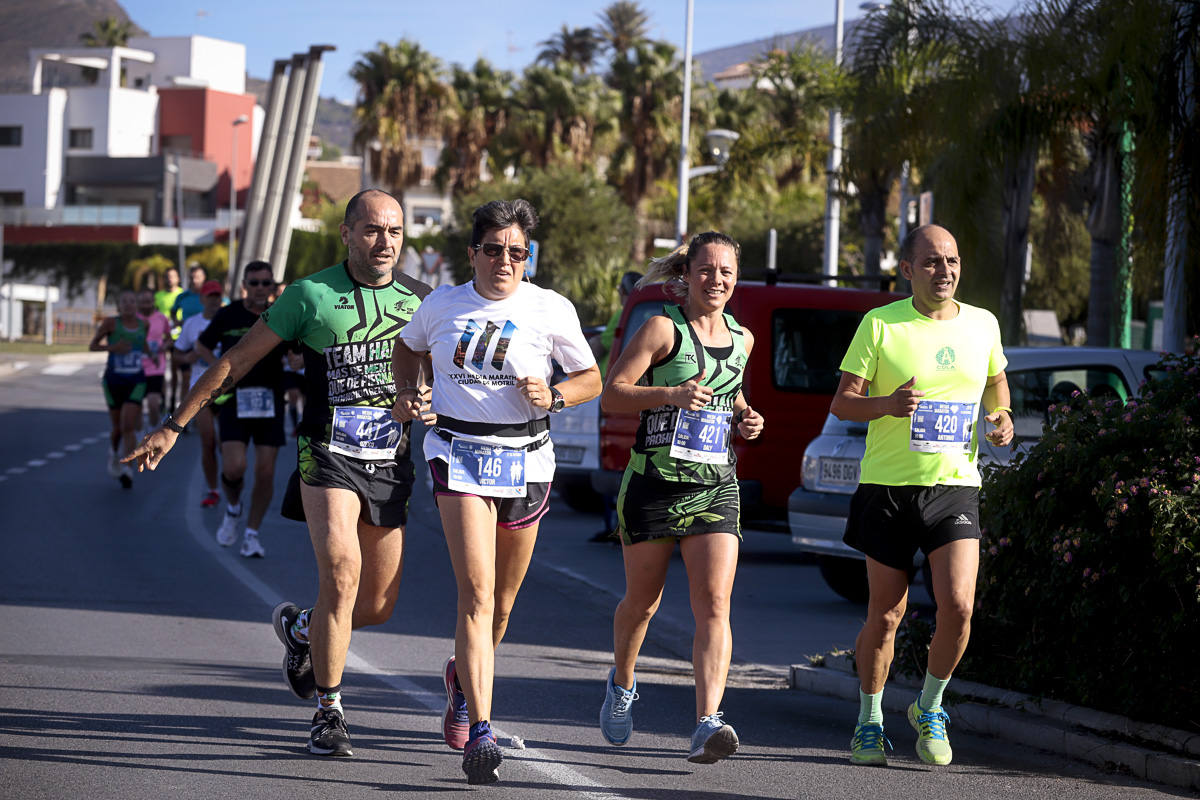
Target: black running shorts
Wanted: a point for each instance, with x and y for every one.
(267, 431)
(117, 393)
(648, 508)
(154, 384)
(383, 487)
(513, 513)
(889, 523)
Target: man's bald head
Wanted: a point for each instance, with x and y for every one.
(357, 204)
(916, 236)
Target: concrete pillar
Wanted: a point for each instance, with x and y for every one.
(267, 151)
(295, 172)
(279, 163)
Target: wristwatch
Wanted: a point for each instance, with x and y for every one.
(557, 403)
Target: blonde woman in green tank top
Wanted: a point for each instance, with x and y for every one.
(683, 373)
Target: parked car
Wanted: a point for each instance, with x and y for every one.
(800, 331)
(575, 432)
(1037, 378)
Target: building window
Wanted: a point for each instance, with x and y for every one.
(12, 198)
(10, 135)
(79, 139)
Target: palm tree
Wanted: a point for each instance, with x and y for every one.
(891, 106)
(401, 99)
(650, 84)
(576, 47)
(477, 115)
(560, 115)
(623, 25)
(108, 32)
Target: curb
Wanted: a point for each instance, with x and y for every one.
(1049, 725)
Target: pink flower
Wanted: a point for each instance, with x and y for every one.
(1067, 557)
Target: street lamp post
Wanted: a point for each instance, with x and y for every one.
(833, 203)
(241, 120)
(177, 170)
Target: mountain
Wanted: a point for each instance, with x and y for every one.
(27, 24)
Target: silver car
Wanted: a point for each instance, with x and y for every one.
(1037, 378)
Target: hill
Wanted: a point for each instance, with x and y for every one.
(27, 24)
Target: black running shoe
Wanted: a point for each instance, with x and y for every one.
(482, 757)
(328, 736)
(297, 668)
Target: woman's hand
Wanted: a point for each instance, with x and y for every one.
(536, 392)
(751, 424)
(414, 402)
(690, 395)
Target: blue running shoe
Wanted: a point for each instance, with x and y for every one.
(933, 746)
(712, 740)
(482, 756)
(616, 715)
(866, 747)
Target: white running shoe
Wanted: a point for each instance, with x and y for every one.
(227, 534)
(114, 467)
(126, 476)
(251, 548)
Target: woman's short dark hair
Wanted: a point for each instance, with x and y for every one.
(500, 214)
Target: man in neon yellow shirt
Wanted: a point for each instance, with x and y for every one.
(917, 371)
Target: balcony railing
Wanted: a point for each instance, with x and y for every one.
(71, 215)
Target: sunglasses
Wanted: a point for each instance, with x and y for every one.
(259, 283)
(494, 250)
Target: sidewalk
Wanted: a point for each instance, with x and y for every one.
(1145, 750)
(11, 362)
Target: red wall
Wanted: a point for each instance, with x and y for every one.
(207, 116)
(70, 234)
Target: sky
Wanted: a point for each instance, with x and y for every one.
(459, 31)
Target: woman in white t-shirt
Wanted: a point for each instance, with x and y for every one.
(491, 342)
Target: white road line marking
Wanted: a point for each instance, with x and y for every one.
(55, 454)
(433, 701)
(18, 365)
(16, 470)
(73, 448)
(62, 369)
(3, 478)
(35, 462)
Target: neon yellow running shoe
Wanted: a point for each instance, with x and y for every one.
(867, 745)
(933, 746)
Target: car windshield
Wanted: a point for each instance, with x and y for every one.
(808, 345)
(1035, 390)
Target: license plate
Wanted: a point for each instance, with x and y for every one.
(568, 454)
(839, 471)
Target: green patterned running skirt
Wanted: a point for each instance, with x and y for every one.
(648, 508)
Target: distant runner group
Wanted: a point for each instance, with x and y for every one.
(372, 351)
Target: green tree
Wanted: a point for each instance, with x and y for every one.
(401, 99)
(559, 114)
(583, 235)
(574, 46)
(623, 25)
(478, 113)
(650, 84)
(109, 32)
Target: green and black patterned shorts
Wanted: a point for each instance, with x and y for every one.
(648, 508)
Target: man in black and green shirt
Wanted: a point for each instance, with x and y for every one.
(355, 469)
(252, 411)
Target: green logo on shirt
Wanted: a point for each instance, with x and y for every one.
(945, 358)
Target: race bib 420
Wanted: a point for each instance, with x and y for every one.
(942, 427)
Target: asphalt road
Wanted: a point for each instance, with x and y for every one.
(138, 660)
